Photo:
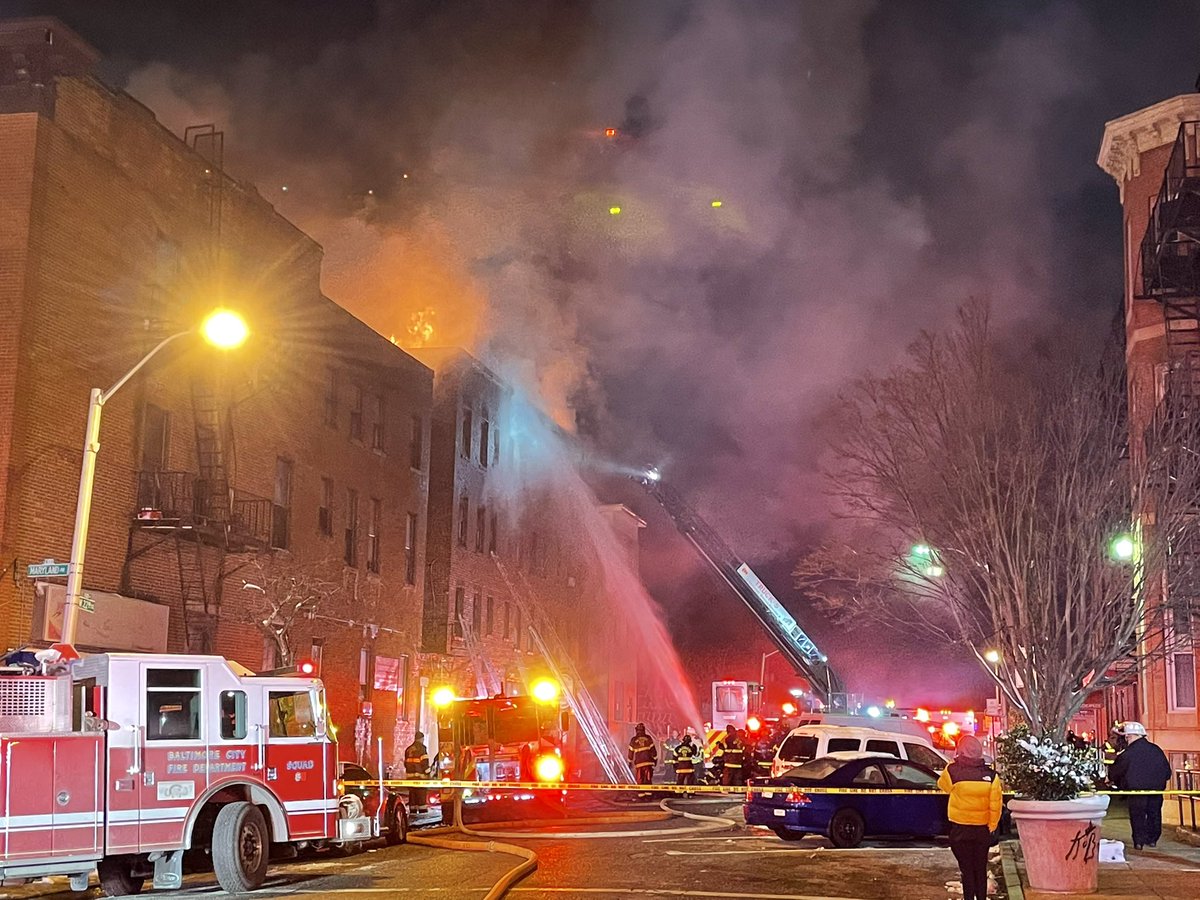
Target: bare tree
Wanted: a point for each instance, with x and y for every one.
(994, 500)
(280, 592)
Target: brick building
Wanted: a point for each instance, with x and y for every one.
(283, 483)
(513, 575)
(1152, 154)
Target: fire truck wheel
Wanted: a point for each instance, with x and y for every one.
(397, 827)
(240, 847)
(117, 878)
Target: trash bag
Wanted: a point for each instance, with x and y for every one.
(1112, 851)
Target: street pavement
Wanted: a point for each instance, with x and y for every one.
(736, 862)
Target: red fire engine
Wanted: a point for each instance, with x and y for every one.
(128, 760)
(518, 738)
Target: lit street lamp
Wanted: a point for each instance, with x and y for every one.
(223, 329)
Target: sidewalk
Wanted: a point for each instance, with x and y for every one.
(1171, 871)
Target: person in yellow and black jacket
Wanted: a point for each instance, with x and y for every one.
(976, 801)
(643, 754)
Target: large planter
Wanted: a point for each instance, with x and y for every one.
(1060, 840)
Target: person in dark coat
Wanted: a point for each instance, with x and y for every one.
(643, 755)
(416, 765)
(1142, 766)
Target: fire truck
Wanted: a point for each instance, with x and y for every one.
(124, 762)
(503, 738)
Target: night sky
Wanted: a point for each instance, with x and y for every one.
(876, 165)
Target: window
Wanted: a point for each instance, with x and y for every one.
(172, 704)
(517, 627)
(281, 509)
(460, 602)
(495, 446)
(468, 432)
(377, 423)
(317, 652)
(351, 551)
(730, 698)
(292, 714)
(1183, 679)
(156, 437)
(838, 744)
(387, 673)
(233, 715)
(906, 776)
(491, 545)
(356, 414)
(416, 443)
(870, 776)
(373, 525)
(331, 398)
(480, 528)
(484, 427)
(325, 512)
(464, 510)
(491, 615)
(798, 747)
(919, 753)
(410, 549)
(507, 618)
(364, 667)
(477, 613)
(890, 747)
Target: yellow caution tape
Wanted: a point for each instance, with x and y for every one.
(509, 786)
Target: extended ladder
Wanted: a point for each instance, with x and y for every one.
(487, 680)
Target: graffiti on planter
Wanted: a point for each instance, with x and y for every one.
(1086, 841)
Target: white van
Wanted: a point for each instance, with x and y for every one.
(879, 723)
(810, 741)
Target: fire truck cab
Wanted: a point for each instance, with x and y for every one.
(129, 760)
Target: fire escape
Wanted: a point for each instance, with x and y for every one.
(197, 515)
(1170, 274)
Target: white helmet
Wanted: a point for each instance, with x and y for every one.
(1132, 728)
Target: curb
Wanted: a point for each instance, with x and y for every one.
(1008, 869)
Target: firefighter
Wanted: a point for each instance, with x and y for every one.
(685, 758)
(643, 755)
(732, 753)
(416, 766)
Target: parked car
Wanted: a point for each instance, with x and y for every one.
(813, 741)
(394, 824)
(782, 805)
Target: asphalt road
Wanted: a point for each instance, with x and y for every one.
(733, 862)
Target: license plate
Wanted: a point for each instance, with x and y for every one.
(767, 795)
(780, 812)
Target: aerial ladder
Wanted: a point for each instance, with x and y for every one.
(795, 646)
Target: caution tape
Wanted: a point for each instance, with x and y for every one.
(509, 786)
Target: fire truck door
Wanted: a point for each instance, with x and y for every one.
(300, 760)
(78, 794)
(172, 752)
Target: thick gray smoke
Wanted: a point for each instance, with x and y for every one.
(871, 175)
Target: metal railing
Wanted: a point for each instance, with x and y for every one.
(1162, 245)
(185, 499)
(1189, 804)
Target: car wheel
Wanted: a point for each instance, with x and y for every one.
(240, 847)
(397, 828)
(846, 828)
(787, 834)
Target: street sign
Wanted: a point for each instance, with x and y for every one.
(47, 569)
(87, 604)
(993, 707)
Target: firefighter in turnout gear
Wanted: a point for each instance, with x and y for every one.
(643, 755)
(416, 765)
(732, 753)
(685, 758)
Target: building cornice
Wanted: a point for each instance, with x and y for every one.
(1127, 138)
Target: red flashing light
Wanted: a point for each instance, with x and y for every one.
(753, 724)
(610, 132)
(306, 667)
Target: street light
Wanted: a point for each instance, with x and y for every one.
(223, 329)
(762, 669)
(993, 659)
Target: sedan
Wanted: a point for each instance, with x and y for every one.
(783, 805)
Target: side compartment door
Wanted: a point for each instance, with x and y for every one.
(28, 796)
(78, 793)
(300, 760)
(174, 752)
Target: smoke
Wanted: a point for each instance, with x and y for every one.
(452, 159)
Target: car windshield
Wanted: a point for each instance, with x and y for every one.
(816, 768)
(798, 746)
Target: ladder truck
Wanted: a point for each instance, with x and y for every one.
(795, 646)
